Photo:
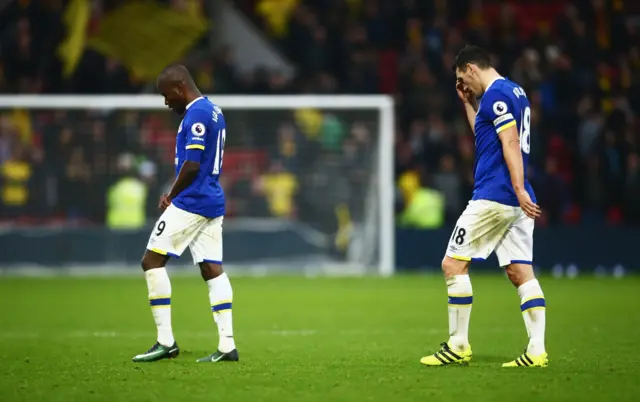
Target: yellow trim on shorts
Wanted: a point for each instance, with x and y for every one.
(158, 251)
(461, 258)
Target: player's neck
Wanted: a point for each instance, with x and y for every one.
(192, 96)
(488, 77)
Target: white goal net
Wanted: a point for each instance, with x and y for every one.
(308, 179)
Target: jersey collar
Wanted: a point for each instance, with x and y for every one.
(193, 101)
(488, 86)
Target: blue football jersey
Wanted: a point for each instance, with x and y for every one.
(201, 137)
(503, 105)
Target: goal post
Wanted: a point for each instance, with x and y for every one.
(371, 247)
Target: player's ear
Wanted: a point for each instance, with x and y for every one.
(180, 88)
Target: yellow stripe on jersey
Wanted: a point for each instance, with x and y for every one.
(506, 126)
(195, 146)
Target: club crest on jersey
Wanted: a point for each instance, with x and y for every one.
(499, 108)
(197, 129)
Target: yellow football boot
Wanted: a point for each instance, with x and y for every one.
(446, 356)
(526, 360)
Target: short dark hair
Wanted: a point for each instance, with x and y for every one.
(175, 73)
(472, 55)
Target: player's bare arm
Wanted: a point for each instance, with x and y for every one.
(187, 175)
(468, 100)
(513, 158)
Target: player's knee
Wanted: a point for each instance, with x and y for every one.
(519, 274)
(210, 270)
(151, 261)
(452, 267)
(145, 263)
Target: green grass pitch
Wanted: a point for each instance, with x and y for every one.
(347, 339)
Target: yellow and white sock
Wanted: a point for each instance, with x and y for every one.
(159, 287)
(533, 308)
(460, 301)
(221, 298)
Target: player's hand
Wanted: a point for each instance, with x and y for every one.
(165, 201)
(464, 93)
(531, 209)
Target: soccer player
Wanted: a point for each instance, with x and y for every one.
(500, 216)
(193, 214)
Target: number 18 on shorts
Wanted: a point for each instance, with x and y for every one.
(177, 229)
(488, 226)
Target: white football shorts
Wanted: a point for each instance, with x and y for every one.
(176, 229)
(487, 226)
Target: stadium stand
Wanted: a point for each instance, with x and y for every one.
(578, 61)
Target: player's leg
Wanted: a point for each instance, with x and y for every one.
(159, 294)
(221, 300)
(460, 294)
(460, 297)
(516, 254)
(170, 236)
(206, 249)
(477, 232)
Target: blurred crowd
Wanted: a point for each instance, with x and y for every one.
(64, 166)
(578, 61)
